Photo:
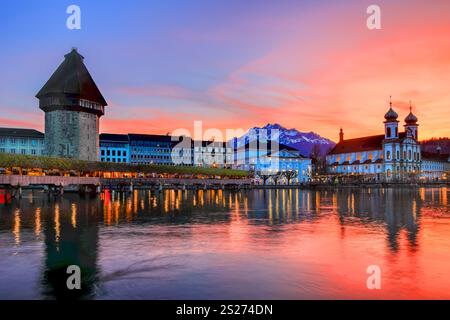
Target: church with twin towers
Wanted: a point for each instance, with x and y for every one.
(394, 155)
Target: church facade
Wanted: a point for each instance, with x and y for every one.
(391, 156)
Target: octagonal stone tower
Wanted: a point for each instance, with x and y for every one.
(73, 106)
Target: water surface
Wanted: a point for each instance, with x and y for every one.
(258, 244)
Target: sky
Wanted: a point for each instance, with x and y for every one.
(233, 64)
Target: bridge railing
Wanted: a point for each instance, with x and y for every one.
(20, 180)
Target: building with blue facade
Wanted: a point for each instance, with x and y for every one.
(265, 158)
(22, 141)
(114, 148)
(151, 149)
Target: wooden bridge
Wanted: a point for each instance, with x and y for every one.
(25, 181)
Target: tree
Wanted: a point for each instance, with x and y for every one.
(276, 177)
(289, 175)
(263, 176)
(316, 151)
(318, 157)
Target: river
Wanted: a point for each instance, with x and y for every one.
(253, 244)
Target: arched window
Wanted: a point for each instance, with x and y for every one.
(388, 155)
(388, 132)
(389, 173)
(409, 155)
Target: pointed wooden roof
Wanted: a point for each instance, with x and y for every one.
(72, 78)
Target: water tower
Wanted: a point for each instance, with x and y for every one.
(73, 106)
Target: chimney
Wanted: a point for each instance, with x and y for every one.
(438, 150)
(341, 136)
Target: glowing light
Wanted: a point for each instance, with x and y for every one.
(37, 222)
(74, 216)
(16, 230)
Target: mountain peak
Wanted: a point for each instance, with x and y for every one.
(274, 126)
(302, 141)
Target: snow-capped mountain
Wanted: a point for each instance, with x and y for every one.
(302, 141)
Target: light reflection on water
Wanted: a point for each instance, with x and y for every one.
(259, 244)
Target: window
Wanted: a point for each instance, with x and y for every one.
(13, 141)
(33, 152)
(398, 154)
(388, 132)
(13, 150)
(409, 155)
(388, 155)
(102, 152)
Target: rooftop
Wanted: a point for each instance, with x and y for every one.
(72, 78)
(435, 156)
(113, 137)
(19, 132)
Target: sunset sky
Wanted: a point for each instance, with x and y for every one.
(311, 65)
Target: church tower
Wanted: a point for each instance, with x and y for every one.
(391, 123)
(391, 145)
(411, 126)
(73, 106)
